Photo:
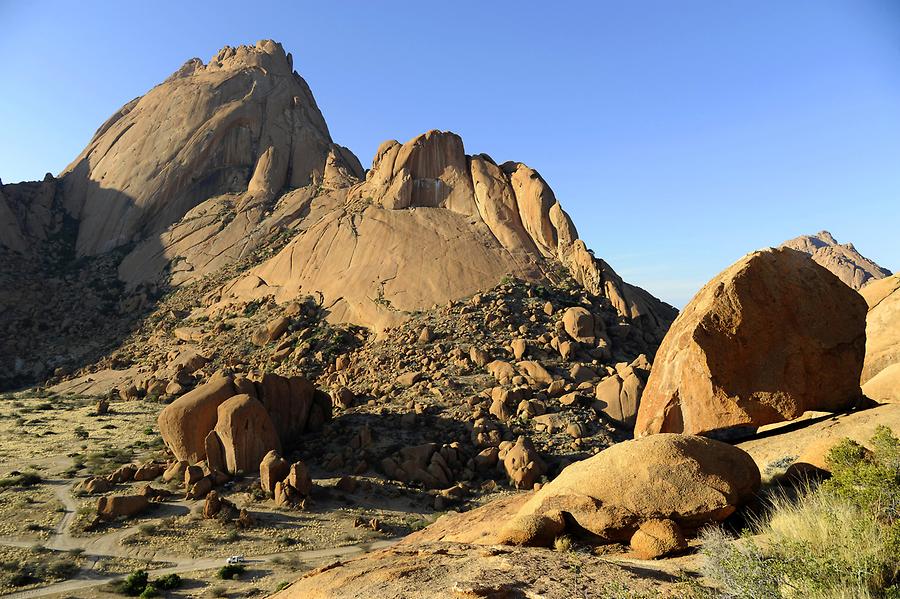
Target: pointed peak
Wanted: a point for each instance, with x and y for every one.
(826, 237)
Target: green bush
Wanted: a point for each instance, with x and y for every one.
(149, 591)
(231, 571)
(168, 582)
(135, 584)
(869, 480)
(841, 539)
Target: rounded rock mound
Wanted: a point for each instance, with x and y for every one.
(689, 480)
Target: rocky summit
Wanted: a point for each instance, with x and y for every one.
(842, 259)
(229, 352)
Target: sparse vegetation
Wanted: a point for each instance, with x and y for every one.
(841, 539)
(24, 479)
(168, 582)
(38, 567)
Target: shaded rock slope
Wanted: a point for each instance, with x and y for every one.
(224, 178)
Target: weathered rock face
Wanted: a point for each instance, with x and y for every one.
(244, 121)
(813, 442)
(28, 214)
(689, 480)
(882, 326)
(843, 260)
(769, 338)
(884, 387)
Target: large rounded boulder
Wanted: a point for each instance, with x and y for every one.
(689, 480)
(246, 433)
(771, 337)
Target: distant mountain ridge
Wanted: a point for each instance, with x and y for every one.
(842, 259)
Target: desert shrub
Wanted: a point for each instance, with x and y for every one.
(232, 536)
(867, 479)
(25, 479)
(168, 582)
(135, 583)
(740, 568)
(282, 585)
(841, 539)
(231, 571)
(149, 591)
(218, 592)
(563, 543)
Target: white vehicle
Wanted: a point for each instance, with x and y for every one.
(235, 560)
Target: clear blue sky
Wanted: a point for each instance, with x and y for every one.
(678, 134)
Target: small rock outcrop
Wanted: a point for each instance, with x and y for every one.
(246, 433)
(522, 462)
(185, 423)
(772, 336)
(272, 469)
(111, 507)
(618, 396)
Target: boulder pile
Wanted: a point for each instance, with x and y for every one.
(231, 422)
